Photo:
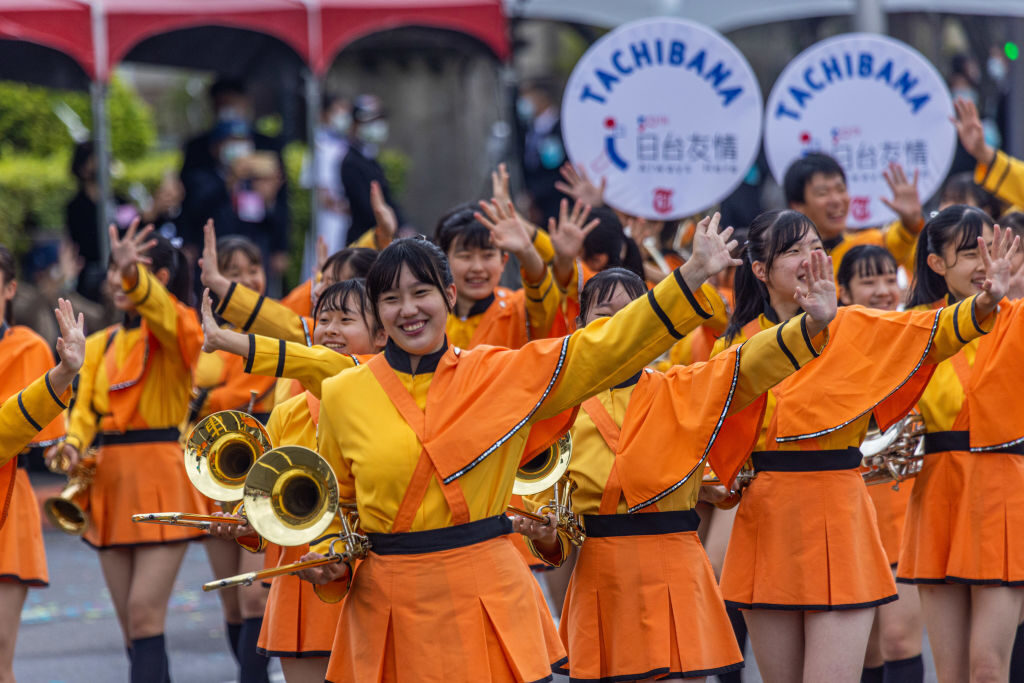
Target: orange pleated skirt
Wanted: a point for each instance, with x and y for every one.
(891, 512)
(142, 477)
(472, 614)
(22, 555)
(806, 541)
(965, 521)
(296, 622)
(646, 606)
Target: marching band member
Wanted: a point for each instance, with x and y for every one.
(34, 394)
(867, 277)
(802, 561)
(638, 454)
(299, 627)
(133, 390)
(429, 438)
(965, 511)
(221, 383)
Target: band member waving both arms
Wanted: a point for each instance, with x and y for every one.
(802, 561)
(642, 580)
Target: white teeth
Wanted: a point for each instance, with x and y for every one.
(413, 327)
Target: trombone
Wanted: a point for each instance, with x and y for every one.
(291, 495)
(219, 452)
(548, 470)
(894, 455)
(67, 510)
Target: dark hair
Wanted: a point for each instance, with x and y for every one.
(601, 286)
(424, 258)
(960, 225)
(359, 259)
(163, 254)
(226, 86)
(10, 274)
(457, 225)
(609, 238)
(1014, 221)
(228, 246)
(803, 170)
(865, 260)
(329, 100)
(960, 188)
(769, 235)
(80, 158)
(340, 296)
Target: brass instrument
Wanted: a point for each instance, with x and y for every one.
(67, 510)
(895, 454)
(545, 471)
(219, 452)
(356, 546)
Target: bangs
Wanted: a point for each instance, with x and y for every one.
(459, 229)
(471, 236)
(972, 226)
(601, 287)
(423, 258)
(875, 265)
(348, 297)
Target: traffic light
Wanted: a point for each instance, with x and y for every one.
(1011, 50)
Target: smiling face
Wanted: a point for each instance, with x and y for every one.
(963, 270)
(874, 290)
(348, 330)
(477, 270)
(787, 272)
(414, 313)
(826, 202)
(246, 272)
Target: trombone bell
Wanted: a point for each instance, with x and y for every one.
(220, 451)
(543, 470)
(66, 511)
(291, 495)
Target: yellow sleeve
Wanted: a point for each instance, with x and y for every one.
(958, 325)
(328, 447)
(1003, 176)
(901, 242)
(83, 423)
(252, 312)
(367, 240)
(611, 350)
(532, 504)
(25, 414)
(309, 364)
(720, 319)
(542, 305)
(542, 243)
(772, 355)
(155, 305)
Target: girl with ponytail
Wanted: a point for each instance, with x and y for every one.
(802, 563)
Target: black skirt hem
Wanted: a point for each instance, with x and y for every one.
(662, 673)
(122, 546)
(31, 583)
(285, 654)
(960, 581)
(811, 608)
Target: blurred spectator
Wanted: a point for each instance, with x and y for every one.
(964, 83)
(164, 211)
(331, 143)
(50, 270)
(83, 221)
(360, 167)
(543, 151)
(960, 188)
(204, 158)
(241, 193)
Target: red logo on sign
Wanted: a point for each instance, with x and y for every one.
(663, 200)
(859, 208)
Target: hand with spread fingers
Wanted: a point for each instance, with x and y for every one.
(971, 132)
(998, 261)
(712, 252)
(509, 234)
(817, 295)
(577, 184)
(130, 250)
(905, 202)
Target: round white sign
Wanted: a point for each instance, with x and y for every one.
(866, 100)
(668, 111)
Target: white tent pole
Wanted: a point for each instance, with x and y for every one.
(100, 125)
(312, 87)
(869, 17)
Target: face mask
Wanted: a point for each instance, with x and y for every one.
(341, 122)
(233, 150)
(374, 132)
(232, 114)
(524, 107)
(966, 93)
(996, 69)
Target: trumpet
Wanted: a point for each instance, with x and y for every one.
(219, 452)
(548, 470)
(895, 454)
(356, 545)
(67, 510)
(743, 477)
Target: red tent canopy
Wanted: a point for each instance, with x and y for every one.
(64, 25)
(129, 22)
(344, 21)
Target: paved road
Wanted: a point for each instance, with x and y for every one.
(69, 633)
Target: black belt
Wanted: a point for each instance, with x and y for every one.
(264, 418)
(807, 461)
(165, 435)
(435, 540)
(641, 524)
(944, 442)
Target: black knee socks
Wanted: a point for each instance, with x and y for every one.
(739, 628)
(234, 631)
(874, 674)
(148, 657)
(909, 670)
(252, 665)
(1017, 659)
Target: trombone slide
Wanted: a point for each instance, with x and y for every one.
(529, 515)
(250, 578)
(186, 519)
